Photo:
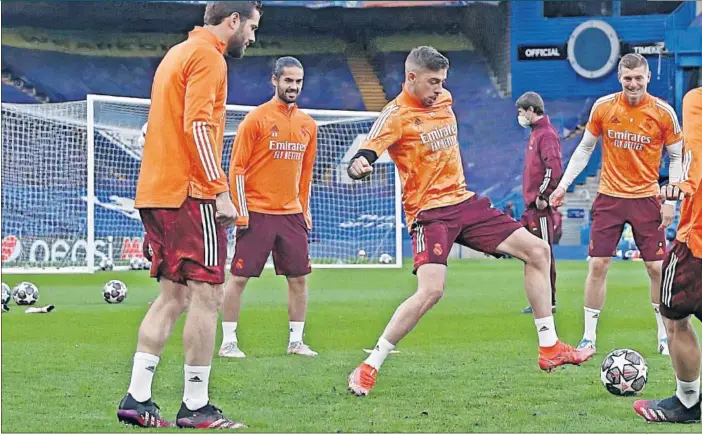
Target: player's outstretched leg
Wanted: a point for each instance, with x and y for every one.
(233, 290)
(196, 411)
(297, 311)
(654, 270)
(684, 406)
(536, 255)
(595, 291)
(137, 408)
(430, 289)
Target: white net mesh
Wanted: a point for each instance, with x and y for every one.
(44, 183)
(348, 217)
(45, 190)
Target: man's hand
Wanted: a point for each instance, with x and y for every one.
(226, 213)
(557, 197)
(667, 214)
(671, 192)
(541, 204)
(360, 168)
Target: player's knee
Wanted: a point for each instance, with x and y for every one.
(207, 296)
(539, 254)
(432, 292)
(653, 268)
(297, 284)
(599, 267)
(674, 326)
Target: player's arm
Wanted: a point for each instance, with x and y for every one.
(204, 74)
(581, 155)
(549, 151)
(306, 178)
(246, 137)
(386, 130)
(691, 172)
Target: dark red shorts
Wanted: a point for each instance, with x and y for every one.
(609, 214)
(185, 243)
(681, 285)
(284, 235)
(542, 223)
(473, 223)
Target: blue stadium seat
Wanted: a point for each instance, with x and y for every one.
(329, 83)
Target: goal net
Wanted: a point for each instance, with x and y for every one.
(45, 223)
(79, 187)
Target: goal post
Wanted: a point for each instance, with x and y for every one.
(106, 140)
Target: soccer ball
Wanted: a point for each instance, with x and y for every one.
(106, 264)
(25, 294)
(114, 291)
(6, 294)
(362, 254)
(624, 372)
(385, 259)
(136, 263)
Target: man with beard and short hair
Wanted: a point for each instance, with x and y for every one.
(271, 182)
(184, 203)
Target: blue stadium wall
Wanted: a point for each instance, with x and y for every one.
(557, 78)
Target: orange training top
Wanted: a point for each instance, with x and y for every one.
(690, 224)
(423, 143)
(272, 161)
(183, 147)
(632, 143)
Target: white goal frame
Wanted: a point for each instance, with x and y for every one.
(91, 266)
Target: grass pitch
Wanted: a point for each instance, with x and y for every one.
(470, 365)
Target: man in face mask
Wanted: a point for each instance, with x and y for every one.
(542, 171)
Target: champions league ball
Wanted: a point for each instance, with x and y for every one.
(114, 291)
(106, 264)
(624, 372)
(385, 259)
(136, 263)
(25, 294)
(6, 294)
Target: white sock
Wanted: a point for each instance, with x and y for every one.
(197, 379)
(296, 328)
(380, 353)
(547, 331)
(229, 332)
(662, 334)
(591, 317)
(688, 392)
(142, 376)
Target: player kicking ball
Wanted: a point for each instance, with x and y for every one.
(184, 203)
(419, 130)
(271, 183)
(681, 289)
(635, 127)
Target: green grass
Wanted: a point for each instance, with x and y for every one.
(470, 365)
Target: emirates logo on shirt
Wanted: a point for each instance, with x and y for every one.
(441, 138)
(627, 140)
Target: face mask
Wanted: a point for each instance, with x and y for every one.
(523, 121)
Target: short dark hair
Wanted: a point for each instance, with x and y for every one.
(216, 12)
(531, 99)
(427, 58)
(631, 61)
(285, 62)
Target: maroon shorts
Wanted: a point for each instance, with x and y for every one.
(185, 243)
(285, 235)
(609, 214)
(541, 223)
(681, 285)
(473, 223)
